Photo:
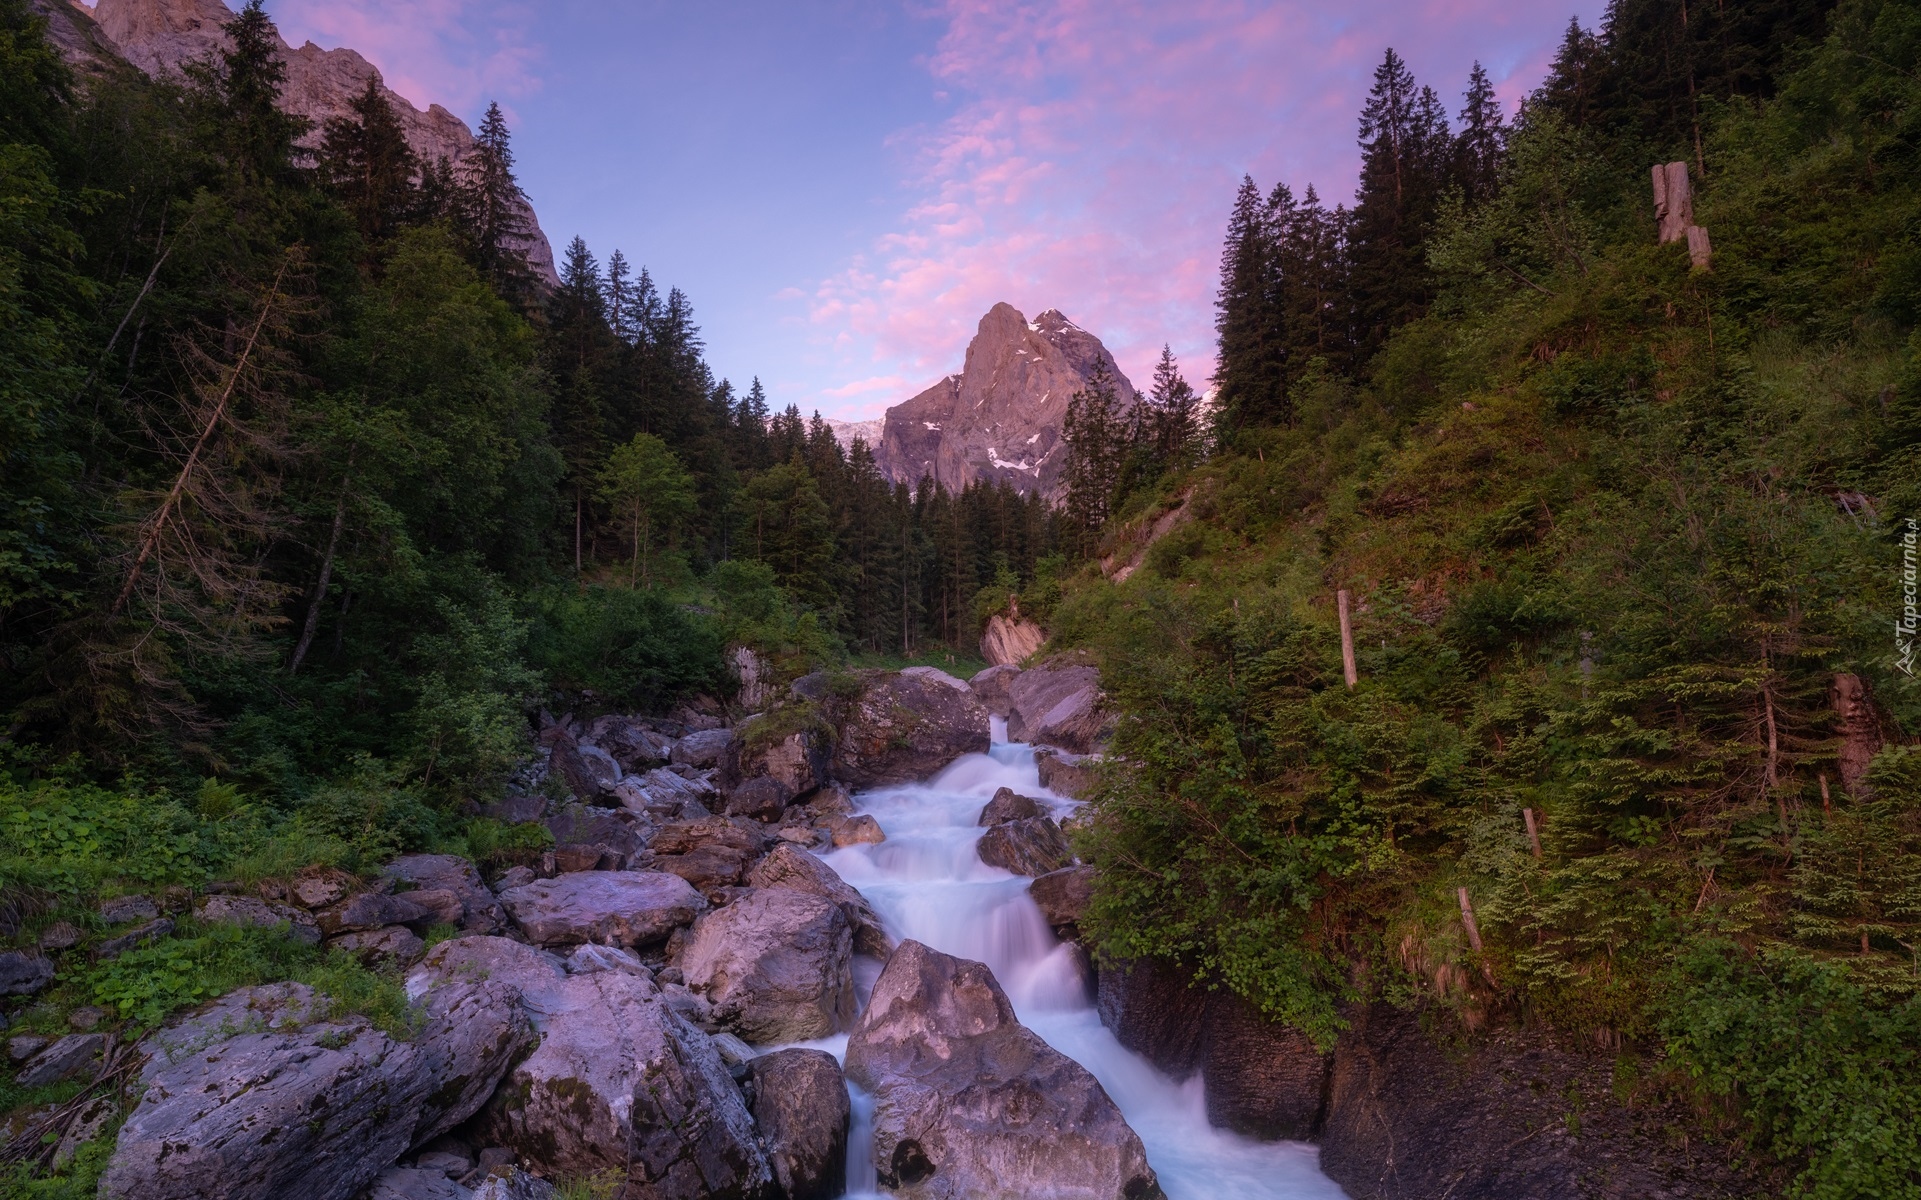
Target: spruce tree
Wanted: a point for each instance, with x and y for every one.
(494, 208)
(1576, 79)
(1096, 443)
(618, 298)
(1172, 414)
(579, 350)
(367, 164)
(240, 90)
(1482, 145)
(1251, 365)
(1405, 145)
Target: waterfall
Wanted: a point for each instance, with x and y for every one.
(928, 883)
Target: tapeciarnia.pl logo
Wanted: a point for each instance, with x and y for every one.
(1909, 621)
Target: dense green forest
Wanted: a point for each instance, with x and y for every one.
(314, 495)
(1626, 540)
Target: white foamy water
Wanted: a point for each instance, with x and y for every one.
(928, 883)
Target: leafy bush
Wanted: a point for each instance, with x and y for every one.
(631, 649)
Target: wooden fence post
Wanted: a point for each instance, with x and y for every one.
(1467, 919)
(1533, 831)
(1347, 640)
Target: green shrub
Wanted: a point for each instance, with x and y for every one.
(632, 649)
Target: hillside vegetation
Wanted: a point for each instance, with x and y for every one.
(1613, 526)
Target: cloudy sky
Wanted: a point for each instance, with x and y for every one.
(843, 187)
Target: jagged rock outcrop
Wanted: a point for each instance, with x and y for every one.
(1008, 640)
(1000, 419)
(161, 36)
(970, 1103)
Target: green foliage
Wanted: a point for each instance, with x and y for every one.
(632, 649)
(647, 485)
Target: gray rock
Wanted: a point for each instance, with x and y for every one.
(861, 829)
(25, 1046)
(91, 1121)
(798, 762)
(1034, 846)
(762, 798)
(906, 727)
(1010, 805)
(415, 1183)
(1067, 774)
(143, 935)
(479, 911)
(619, 1082)
(515, 1184)
(801, 1107)
(600, 764)
(1063, 896)
(452, 1165)
(245, 1100)
(394, 944)
(249, 910)
(614, 908)
(706, 868)
(703, 749)
(122, 909)
(61, 935)
(375, 910)
(969, 1103)
(67, 1057)
(1059, 705)
(991, 688)
(681, 837)
(789, 867)
(86, 1017)
(632, 744)
(23, 974)
(619, 832)
(775, 965)
(661, 794)
(318, 888)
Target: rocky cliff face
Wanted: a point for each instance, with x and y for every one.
(1000, 419)
(161, 36)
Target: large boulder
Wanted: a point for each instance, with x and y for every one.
(800, 1105)
(1031, 846)
(266, 1096)
(479, 911)
(1067, 774)
(1063, 895)
(619, 1082)
(905, 726)
(991, 686)
(762, 798)
(798, 762)
(1010, 805)
(969, 1103)
(611, 908)
(704, 749)
(775, 966)
(789, 866)
(633, 745)
(1058, 704)
(709, 852)
(664, 795)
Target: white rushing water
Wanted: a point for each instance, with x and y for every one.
(928, 884)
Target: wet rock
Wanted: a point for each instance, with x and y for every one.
(1058, 705)
(991, 688)
(858, 830)
(905, 727)
(122, 909)
(1032, 846)
(618, 1082)
(249, 910)
(23, 974)
(788, 867)
(68, 1057)
(616, 908)
(480, 912)
(1009, 805)
(264, 1095)
(969, 1103)
(801, 1107)
(1153, 1010)
(775, 965)
(395, 944)
(703, 749)
(762, 799)
(415, 1183)
(144, 935)
(1066, 774)
(1063, 895)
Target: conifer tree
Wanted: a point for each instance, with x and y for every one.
(495, 208)
(369, 167)
(618, 297)
(1172, 413)
(1252, 359)
(1482, 145)
(1405, 144)
(241, 86)
(578, 354)
(1576, 78)
(1096, 443)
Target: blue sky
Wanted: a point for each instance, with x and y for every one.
(844, 187)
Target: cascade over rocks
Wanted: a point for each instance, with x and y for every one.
(971, 1104)
(775, 965)
(905, 726)
(1063, 897)
(1010, 805)
(1000, 419)
(790, 867)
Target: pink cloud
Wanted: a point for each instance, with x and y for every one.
(456, 53)
(1096, 148)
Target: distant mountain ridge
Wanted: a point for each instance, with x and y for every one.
(161, 36)
(1000, 419)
